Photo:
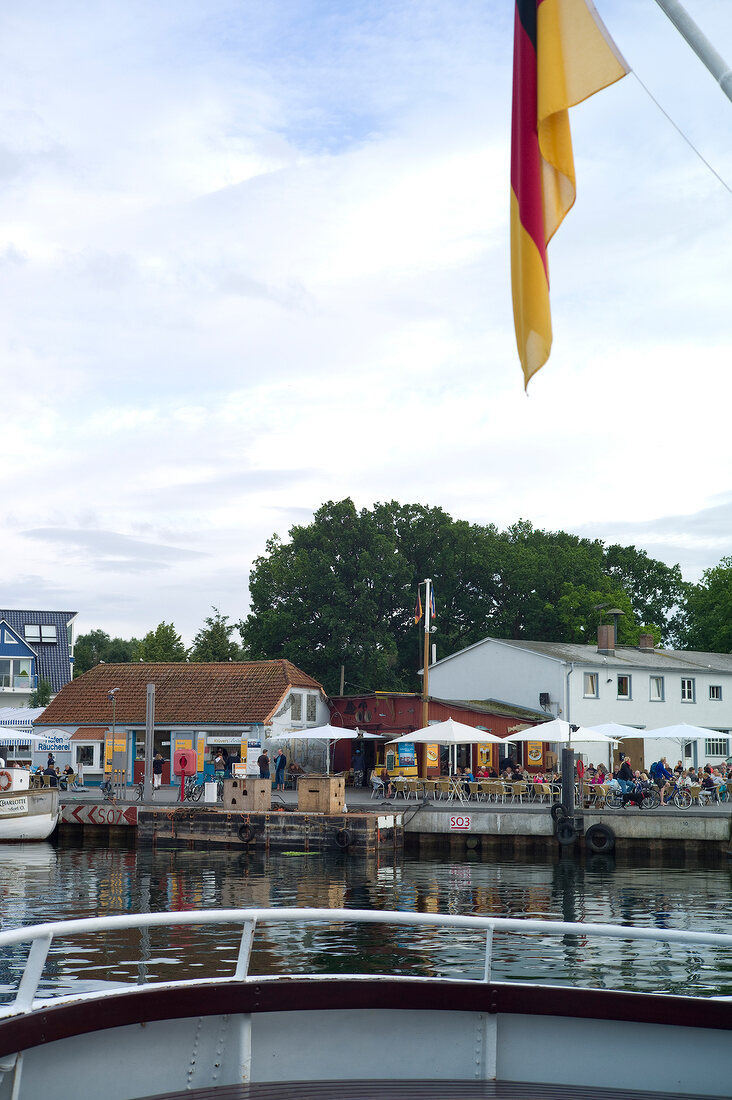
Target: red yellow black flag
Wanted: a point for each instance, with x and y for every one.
(561, 55)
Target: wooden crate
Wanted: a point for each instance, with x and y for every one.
(321, 794)
(245, 793)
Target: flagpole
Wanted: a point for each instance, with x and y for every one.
(426, 662)
(699, 43)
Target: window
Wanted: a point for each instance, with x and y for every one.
(715, 692)
(623, 687)
(16, 673)
(591, 685)
(85, 755)
(48, 633)
(716, 746)
(296, 708)
(33, 633)
(687, 690)
(656, 689)
(9, 638)
(311, 711)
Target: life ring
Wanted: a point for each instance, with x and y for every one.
(600, 839)
(343, 839)
(558, 812)
(565, 832)
(6, 781)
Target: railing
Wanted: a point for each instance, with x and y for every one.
(41, 936)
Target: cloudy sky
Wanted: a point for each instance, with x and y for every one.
(254, 256)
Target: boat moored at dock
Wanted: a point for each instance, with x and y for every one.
(25, 813)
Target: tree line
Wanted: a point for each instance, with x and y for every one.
(341, 590)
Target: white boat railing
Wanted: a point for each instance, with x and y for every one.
(41, 936)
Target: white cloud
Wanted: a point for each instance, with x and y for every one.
(256, 257)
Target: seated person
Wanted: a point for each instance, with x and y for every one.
(51, 773)
(386, 783)
(67, 778)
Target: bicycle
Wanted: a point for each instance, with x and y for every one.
(680, 797)
(192, 790)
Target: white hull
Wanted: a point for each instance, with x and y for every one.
(28, 815)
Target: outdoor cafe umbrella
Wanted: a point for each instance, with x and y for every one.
(559, 732)
(682, 734)
(324, 733)
(448, 732)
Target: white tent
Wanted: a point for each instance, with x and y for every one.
(324, 733)
(558, 732)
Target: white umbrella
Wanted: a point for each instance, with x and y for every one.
(617, 731)
(448, 732)
(324, 733)
(680, 732)
(558, 732)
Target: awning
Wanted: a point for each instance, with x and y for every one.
(90, 733)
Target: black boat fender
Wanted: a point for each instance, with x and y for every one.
(565, 832)
(558, 812)
(600, 839)
(343, 839)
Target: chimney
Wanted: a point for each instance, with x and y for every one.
(606, 639)
(645, 643)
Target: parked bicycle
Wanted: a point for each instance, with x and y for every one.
(192, 790)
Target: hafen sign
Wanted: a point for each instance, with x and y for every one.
(54, 744)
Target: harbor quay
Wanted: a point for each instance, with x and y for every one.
(373, 826)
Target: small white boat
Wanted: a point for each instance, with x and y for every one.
(25, 813)
(347, 1036)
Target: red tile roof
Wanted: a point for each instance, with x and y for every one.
(232, 693)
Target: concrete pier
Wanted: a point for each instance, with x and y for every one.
(372, 826)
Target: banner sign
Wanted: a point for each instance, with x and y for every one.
(534, 751)
(53, 744)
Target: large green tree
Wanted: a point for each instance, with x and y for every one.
(708, 608)
(342, 590)
(162, 644)
(96, 646)
(213, 641)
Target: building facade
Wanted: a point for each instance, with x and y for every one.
(589, 685)
(203, 707)
(396, 714)
(34, 646)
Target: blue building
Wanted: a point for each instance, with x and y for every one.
(34, 646)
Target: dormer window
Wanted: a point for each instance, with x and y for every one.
(33, 633)
(48, 633)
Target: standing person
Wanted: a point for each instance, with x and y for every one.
(157, 771)
(263, 763)
(359, 767)
(51, 761)
(227, 762)
(280, 765)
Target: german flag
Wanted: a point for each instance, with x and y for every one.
(561, 55)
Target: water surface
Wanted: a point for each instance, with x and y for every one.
(40, 882)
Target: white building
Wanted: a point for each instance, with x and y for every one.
(589, 685)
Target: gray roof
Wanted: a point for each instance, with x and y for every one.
(660, 660)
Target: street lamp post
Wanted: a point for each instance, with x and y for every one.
(112, 696)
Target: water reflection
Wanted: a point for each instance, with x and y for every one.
(39, 882)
